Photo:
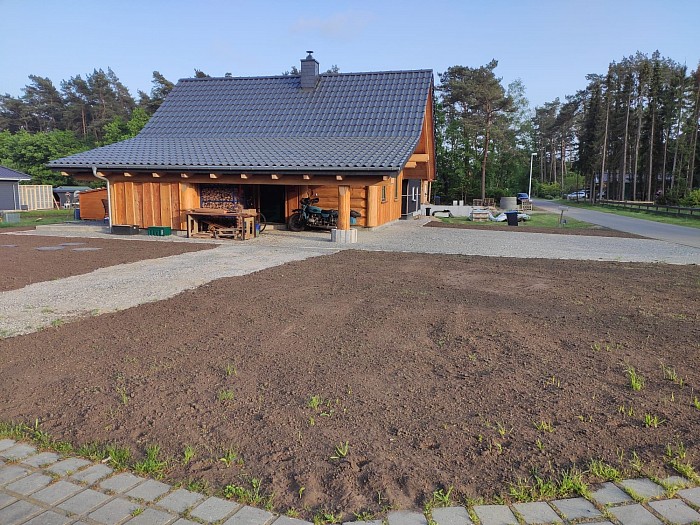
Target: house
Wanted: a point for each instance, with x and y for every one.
(360, 140)
(9, 188)
(67, 196)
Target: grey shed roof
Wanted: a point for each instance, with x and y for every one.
(8, 174)
(350, 122)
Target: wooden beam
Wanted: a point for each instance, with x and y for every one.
(244, 175)
(156, 175)
(338, 177)
(410, 164)
(65, 174)
(275, 176)
(386, 177)
(306, 177)
(213, 176)
(419, 157)
(185, 175)
(343, 207)
(127, 174)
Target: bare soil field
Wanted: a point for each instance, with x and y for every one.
(28, 259)
(358, 381)
(591, 232)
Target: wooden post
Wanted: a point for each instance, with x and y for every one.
(343, 207)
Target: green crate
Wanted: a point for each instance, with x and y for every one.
(159, 231)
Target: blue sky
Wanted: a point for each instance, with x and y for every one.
(549, 45)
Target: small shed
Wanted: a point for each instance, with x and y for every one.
(9, 188)
(36, 196)
(91, 204)
(67, 196)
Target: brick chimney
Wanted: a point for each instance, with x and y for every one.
(309, 73)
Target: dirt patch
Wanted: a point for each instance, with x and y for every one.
(592, 232)
(58, 257)
(435, 370)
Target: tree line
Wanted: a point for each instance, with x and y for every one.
(48, 122)
(631, 133)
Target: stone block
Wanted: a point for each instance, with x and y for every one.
(576, 508)
(30, 484)
(404, 517)
(691, 495)
(250, 516)
(180, 500)
(451, 516)
(537, 512)
(344, 236)
(151, 517)
(6, 443)
(6, 499)
(675, 511)
(57, 492)
(610, 494)
(213, 509)
(643, 488)
(93, 474)
(68, 466)
(114, 511)
(286, 520)
(10, 473)
(121, 482)
(18, 512)
(495, 515)
(41, 460)
(49, 518)
(84, 501)
(149, 490)
(634, 515)
(17, 452)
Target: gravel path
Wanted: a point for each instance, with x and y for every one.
(124, 286)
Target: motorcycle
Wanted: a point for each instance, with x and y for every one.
(314, 217)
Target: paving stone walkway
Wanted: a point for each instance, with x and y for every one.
(44, 488)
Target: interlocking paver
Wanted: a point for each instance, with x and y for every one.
(149, 490)
(404, 517)
(18, 512)
(373, 522)
(180, 500)
(250, 516)
(286, 520)
(610, 494)
(19, 451)
(152, 517)
(634, 515)
(6, 499)
(114, 511)
(30, 484)
(6, 443)
(677, 481)
(49, 518)
(57, 492)
(537, 512)
(83, 502)
(495, 515)
(121, 482)
(41, 460)
(183, 521)
(451, 516)
(576, 508)
(213, 509)
(692, 495)
(643, 488)
(675, 511)
(93, 474)
(68, 466)
(10, 473)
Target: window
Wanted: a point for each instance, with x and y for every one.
(396, 188)
(383, 193)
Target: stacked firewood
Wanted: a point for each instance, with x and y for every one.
(221, 196)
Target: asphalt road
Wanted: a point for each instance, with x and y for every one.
(682, 235)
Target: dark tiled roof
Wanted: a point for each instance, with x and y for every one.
(352, 121)
(8, 174)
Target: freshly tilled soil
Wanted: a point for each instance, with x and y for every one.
(435, 370)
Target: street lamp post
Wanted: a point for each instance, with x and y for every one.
(529, 187)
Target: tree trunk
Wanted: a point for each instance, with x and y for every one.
(483, 163)
(624, 149)
(636, 151)
(694, 140)
(605, 151)
(651, 154)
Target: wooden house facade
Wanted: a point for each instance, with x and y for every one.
(354, 140)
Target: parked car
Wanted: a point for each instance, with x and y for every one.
(577, 195)
(522, 197)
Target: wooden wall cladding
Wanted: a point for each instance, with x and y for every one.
(152, 203)
(91, 207)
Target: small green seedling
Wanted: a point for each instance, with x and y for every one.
(653, 421)
(636, 380)
(544, 426)
(341, 451)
